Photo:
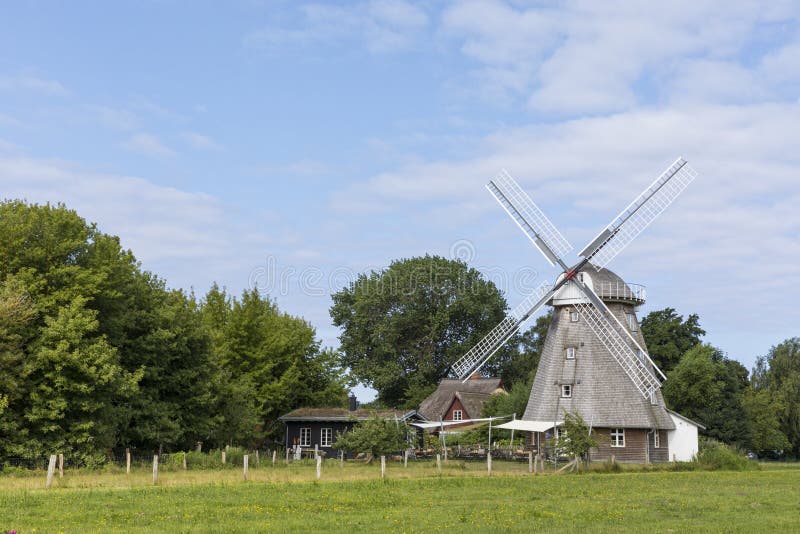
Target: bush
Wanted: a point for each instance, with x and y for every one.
(715, 455)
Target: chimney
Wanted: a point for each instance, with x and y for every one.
(353, 402)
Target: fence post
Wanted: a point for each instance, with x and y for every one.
(274, 455)
(319, 467)
(489, 461)
(439, 463)
(316, 450)
(383, 466)
(245, 461)
(127, 461)
(155, 469)
(405, 458)
(341, 458)
(51, 469)
(258, 460)
(223, 456)
(530, 461)
(60, 465)
(184, 461)
(287, 455)
(536, 465)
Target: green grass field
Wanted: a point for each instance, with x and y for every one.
(416, 499)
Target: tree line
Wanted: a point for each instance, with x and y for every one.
(97, 354)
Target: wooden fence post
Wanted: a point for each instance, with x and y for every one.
(127, 461)
(184, 461)
(316, 450)
(530, 461)
(245, 462)
(489, 461)
(51, 470)
(274, 455)
(223, 456)
(536, 465)
(319, 467)
(60, 465)
(287, 455)
(383, 466)
(258, 460)
(155, 469)
(405, 458)
(341, 458)
(439, 463)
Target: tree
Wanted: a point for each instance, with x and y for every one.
(518, 365)
(669, 337)
(404, 326)
(78, 387)
(778, 373)
(762, 412)
(576, 439)
(708, 387)
(374, 437)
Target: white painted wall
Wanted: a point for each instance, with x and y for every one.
(683, 440)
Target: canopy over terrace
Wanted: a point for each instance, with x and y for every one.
(529, 426)
(438, 425)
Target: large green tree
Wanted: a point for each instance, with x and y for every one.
(404, 326)
(668, 336)
(708, 387)
(778, 374)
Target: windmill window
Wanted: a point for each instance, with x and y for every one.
(457, 415)
(561, 432)
(305, 437)
(657, 439)
(640, 355)
(574, 317)
(632, 322)
(571, 353)
(326, 437)
(566, 390)
(617, 437)
(653, 398)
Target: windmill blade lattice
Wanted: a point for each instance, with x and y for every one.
(612, 334)
(531, 220)
(639, 214)
(478, 355)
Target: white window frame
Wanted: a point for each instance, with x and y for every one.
(326, 437)
(566, 391)
(574, 316)
(571, 352)
(633, 326)
(656, 440)
(305, 436)
(618, 437)
(561, 432)
(458, 415)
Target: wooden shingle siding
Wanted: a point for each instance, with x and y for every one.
(660, 454)
(633, 451)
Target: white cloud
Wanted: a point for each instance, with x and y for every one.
(383, 26)
(117, 118)
(200, 141)
(31, 82)
(147, 144)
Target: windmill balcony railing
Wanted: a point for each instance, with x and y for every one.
(621, 291)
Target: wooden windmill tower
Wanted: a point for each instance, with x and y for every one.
(594, 360)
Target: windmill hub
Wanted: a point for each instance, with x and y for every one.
(605, 283)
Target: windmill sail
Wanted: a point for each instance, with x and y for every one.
(478, 355)
(531, 220)
(619, 342)
(639, 214)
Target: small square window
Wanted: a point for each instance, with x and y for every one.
(326, 437)
(561, 432)
(632, 324)
(571, 353)
(574, 316)
(457, 415)
(566, 390)
(657, 439)
(617, 437)
(305, 437)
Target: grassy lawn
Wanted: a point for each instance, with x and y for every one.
(416, 499)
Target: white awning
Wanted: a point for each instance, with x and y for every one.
(529, 426)
(439, 424)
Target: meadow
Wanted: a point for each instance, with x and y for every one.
(415, 499)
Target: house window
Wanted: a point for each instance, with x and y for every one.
(305, 437)
(617, 437)
(656, 439)
(574, 316)
(566, 390)
(561, 432)
(632, 322)
(571, 353)
(326, 437)
(457, 415)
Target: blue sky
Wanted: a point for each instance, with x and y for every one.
(235, 141)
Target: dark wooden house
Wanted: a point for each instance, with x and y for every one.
(318, 427)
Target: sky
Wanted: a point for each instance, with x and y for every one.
(289, 146)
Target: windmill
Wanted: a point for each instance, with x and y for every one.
(631, 380)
